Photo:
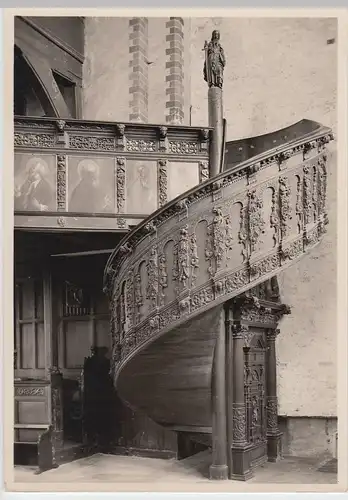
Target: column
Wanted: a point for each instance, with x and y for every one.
(273, 434)
(240, 458)
(175, 71)
(138, 88)
(218, 468)
(215, 113)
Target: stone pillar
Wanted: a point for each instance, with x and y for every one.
(215, 112)
(219, 468)
(175, 69)
(138, 88)
(240, 460)
(273, 434)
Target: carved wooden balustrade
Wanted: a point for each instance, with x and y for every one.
(216, 241)
(101, 175)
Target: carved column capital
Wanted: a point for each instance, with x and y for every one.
(239, 331)
(272, 334)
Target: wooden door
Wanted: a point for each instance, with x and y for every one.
(255, 396)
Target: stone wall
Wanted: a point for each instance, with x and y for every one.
(278, 71)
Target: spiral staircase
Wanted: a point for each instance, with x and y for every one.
(172, 277)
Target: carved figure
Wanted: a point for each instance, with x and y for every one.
(214, 61)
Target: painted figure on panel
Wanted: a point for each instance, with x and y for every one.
(88, 195)
(214, 61)
(36, 192)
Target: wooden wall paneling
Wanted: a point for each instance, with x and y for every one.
(29, 328)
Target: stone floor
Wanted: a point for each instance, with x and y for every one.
(123, 469)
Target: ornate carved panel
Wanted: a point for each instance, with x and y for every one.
(162, 183)
(255, 388)
(120, 184)
(61, 183)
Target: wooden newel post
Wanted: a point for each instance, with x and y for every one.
(273, 433)
(219, 468)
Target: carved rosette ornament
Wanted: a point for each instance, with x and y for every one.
(121, 184)
(61, 183)
(152, 278)
(284, 205)
(256, 222)
(162, 183)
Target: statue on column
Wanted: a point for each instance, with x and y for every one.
(214, 61)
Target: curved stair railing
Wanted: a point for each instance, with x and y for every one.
(169, 277)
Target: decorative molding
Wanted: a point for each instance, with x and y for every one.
(183, 259)
(141, 146)
(194, 259)
(183, 148)
(162, 183)
(152, 278)
(61, 183)
(121, 184)
(284, 206)
(33, 140)
(239, 423)
(256, 223)
(307, 199)
(272, 414)
(203, 171)
(91, 143)
(29, 391)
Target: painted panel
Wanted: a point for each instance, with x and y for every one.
(34, 182)
(181, 177)
(91, 185)
(141, 186)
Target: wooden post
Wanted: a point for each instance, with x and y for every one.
(273, 434)
(240, 459)
(219, 468)
(53, 373)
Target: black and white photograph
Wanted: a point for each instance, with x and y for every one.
(175, 269)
